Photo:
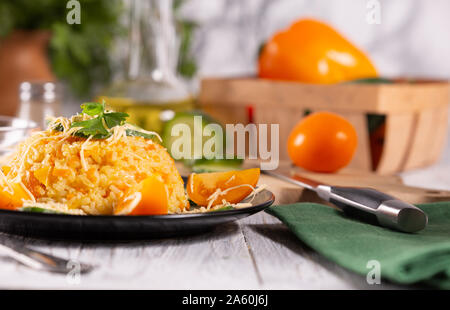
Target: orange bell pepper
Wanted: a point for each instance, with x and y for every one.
(310, 51)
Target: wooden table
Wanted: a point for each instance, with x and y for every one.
(255, 253)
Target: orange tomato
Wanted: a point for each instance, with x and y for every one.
(322, 142)
(12, 198)
(313, 52)
(201, 186)
(150, 197)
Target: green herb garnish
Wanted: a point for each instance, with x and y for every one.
(192, 203)
(99, 126)
(136, 133)
(225, 208)
(58, 127)
(39, 210)
(96, 126)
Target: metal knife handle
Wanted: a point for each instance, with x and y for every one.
(376, 207)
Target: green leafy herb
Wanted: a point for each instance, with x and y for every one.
(59, 127)
(39, 210)
(92, 127)
(192, 203)
(113, 119)
(136, 133)
(80, 54)
(187, 65)
(92, 108)
(96, 126)
(225, 208)
(100, 123)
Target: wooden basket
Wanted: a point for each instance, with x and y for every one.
(416, 114)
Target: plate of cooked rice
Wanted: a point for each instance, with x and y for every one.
(95, 176)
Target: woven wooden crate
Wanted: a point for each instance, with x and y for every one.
(416, 114)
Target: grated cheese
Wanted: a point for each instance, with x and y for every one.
(218, 192)
(192, 183)
(82, 159)
(27, 191)
(135, 199)
(5, 183)
(230, 179)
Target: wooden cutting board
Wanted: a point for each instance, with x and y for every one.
(288, 193)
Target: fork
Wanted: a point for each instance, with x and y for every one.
(41, 261)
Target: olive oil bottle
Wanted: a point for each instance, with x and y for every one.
(152, 91)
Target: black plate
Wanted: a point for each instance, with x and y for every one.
(60, 226)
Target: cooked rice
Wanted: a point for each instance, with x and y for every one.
(91, 175)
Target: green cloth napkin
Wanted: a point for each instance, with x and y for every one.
(404, 258)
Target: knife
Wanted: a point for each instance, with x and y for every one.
(366, 204)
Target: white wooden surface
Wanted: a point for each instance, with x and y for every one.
(255, 253)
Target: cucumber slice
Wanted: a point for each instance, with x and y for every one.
(211, 168)
(186, 118)
(216, 165)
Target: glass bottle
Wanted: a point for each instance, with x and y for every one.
(151, 91)
(39, 100)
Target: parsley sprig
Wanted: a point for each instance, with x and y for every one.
(100, 123)
(98, 126)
